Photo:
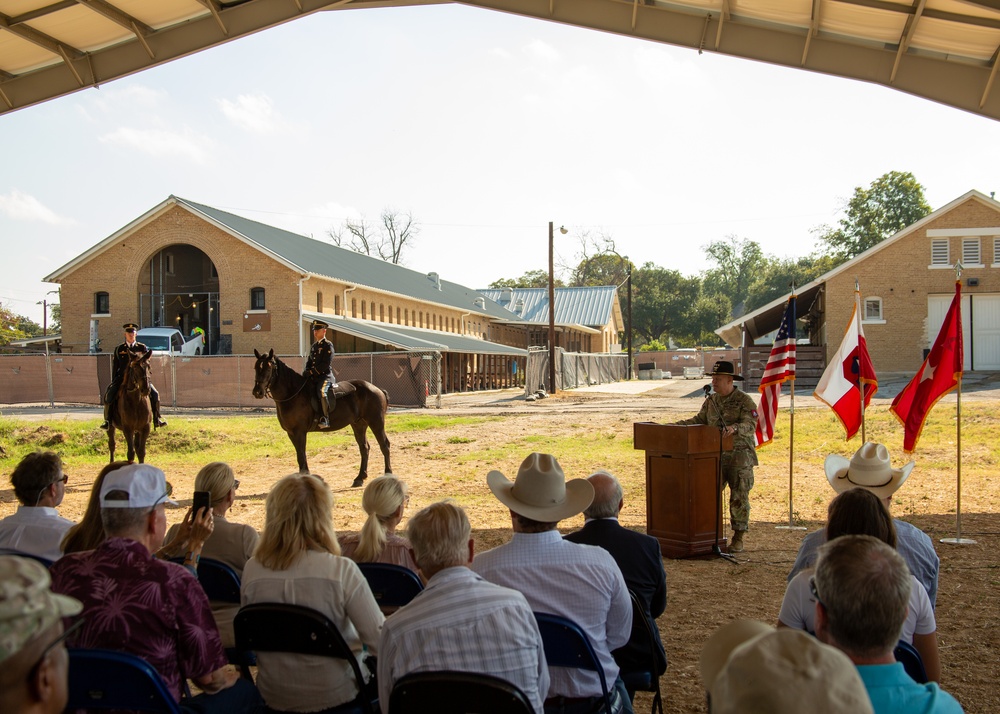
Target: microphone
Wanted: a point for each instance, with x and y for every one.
(707, 389)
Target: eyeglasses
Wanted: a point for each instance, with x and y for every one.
(814, 591)
(52, 645)
(236, 484)
(41, 492)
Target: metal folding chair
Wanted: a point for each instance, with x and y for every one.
(448, 692)
(566, 645)
(392, 585)
(108, 679)
(912, 662)
(647, 677)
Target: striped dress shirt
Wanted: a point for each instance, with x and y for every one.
(579, 582)
(461, 622)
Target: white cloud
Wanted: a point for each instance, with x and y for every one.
(542, 51)
(253, 112)
(22, 207)
(120, 99)
(161, 143)
(500, 53)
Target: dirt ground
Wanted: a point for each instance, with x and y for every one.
(704, 593)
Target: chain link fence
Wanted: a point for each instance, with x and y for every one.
(411, 379)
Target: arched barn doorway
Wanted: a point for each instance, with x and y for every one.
(180, 288)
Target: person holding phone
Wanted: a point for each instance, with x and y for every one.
(230, 543)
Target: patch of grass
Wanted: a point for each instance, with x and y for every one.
(459, 440)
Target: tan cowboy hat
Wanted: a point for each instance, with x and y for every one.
(540, 491)
(869, 468)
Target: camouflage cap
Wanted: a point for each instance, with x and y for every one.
(27, 606)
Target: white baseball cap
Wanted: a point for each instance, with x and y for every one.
(145, 485)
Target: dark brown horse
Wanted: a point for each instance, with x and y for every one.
(132, 412)
(363, 407)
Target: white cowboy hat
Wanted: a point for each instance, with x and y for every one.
(869, 468)
(540, 491)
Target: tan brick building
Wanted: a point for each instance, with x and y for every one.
(249, 285)
(906, 284)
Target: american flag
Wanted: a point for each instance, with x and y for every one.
(780, 368)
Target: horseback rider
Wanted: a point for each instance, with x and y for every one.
(122, 356)
(319, 368)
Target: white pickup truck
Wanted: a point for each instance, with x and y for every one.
(171, 341)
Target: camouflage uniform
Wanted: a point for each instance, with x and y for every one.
(739, 410)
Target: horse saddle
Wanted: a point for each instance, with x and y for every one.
(334, 391)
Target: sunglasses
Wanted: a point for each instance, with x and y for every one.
(236, 484)
(814, 591)
(52, 645)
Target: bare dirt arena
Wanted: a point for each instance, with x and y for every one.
(704, 593)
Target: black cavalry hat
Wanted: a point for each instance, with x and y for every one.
(726, 368)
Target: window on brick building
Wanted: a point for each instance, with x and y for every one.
(257, 299)
(102, 304)
(397, 316)
(940, 254)
(363, 306)
(971, 253)
(873, 310)
(319, 301)
(381, 312)
(336, 304)
(354, 307)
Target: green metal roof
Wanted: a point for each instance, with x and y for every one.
(327, 260)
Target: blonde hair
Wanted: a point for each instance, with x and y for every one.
(217, 478)
(298, 517)
(440, 536)
(382, 498)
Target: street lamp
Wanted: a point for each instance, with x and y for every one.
(45, 312)
(552, 309)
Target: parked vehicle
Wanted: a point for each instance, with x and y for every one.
(171, 341)
(693, 373)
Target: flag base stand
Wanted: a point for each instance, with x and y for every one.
(959, 541)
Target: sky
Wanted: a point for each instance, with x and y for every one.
(485, 127)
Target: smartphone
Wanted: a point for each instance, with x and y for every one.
(202, 499)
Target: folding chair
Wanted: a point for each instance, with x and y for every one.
(221, 584)
(911, 660)
(448, 692)
(645, 678)
(108, 679)
(277, 627)
(21, 554)
(566, 645)
(392, 585)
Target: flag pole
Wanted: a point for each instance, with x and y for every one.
(791, 449)
(958, 539)
(861, 386)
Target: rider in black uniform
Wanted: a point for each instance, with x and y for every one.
(123, 354)
(319, 367)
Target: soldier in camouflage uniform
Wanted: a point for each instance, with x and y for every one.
(735, 413)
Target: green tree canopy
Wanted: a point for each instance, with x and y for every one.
(16, 327)
(737, 263)
(531, 279)
(661, 302)
(892, 202)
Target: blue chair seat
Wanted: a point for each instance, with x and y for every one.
(108, 679)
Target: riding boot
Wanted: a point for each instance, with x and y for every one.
(324, 421)
(154, 402)
(107, 416)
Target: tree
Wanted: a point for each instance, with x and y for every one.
(737, 262)
(598, 262)
(55, 318)
(531, 279)
(776, 275)
(386, 239)
(661, 301)
(16, 327)
(892, 202)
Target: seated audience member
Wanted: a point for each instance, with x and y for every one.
(459, 621)
(33, 659)
(860, 512)
(230, 543)
(638, 556)
(871, 469)
(298, 562)
(862, 587)
(89, 532)
(150, 608)
(384, 500)
(748, 667)
(36, 527)
(579, 582)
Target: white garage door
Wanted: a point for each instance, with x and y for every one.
(980, 327)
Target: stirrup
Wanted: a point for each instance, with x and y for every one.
(324, 422)
(106, 425)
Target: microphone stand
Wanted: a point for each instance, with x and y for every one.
(716, 550)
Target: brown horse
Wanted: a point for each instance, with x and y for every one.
(132, 413)
(363, 407)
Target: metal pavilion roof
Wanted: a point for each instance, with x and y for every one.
(943, 50)
(586, 306)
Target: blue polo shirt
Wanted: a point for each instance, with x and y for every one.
(893, 691)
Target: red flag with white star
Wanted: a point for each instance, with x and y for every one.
(940, 373)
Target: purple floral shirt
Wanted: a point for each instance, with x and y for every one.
(135, 603)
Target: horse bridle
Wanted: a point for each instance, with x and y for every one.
(140, 383)
(275, 362)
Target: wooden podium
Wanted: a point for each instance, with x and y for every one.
(682, 504)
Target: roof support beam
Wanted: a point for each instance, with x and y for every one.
(904, 41)
(214, 7)
(993, 76)
(122, 19)
(723, 16)
(813, 29)
(16, 26)
(42, 11)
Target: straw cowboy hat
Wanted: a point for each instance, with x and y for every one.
(869, 468)
(540, 490)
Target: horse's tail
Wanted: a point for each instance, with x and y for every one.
(384, 394)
